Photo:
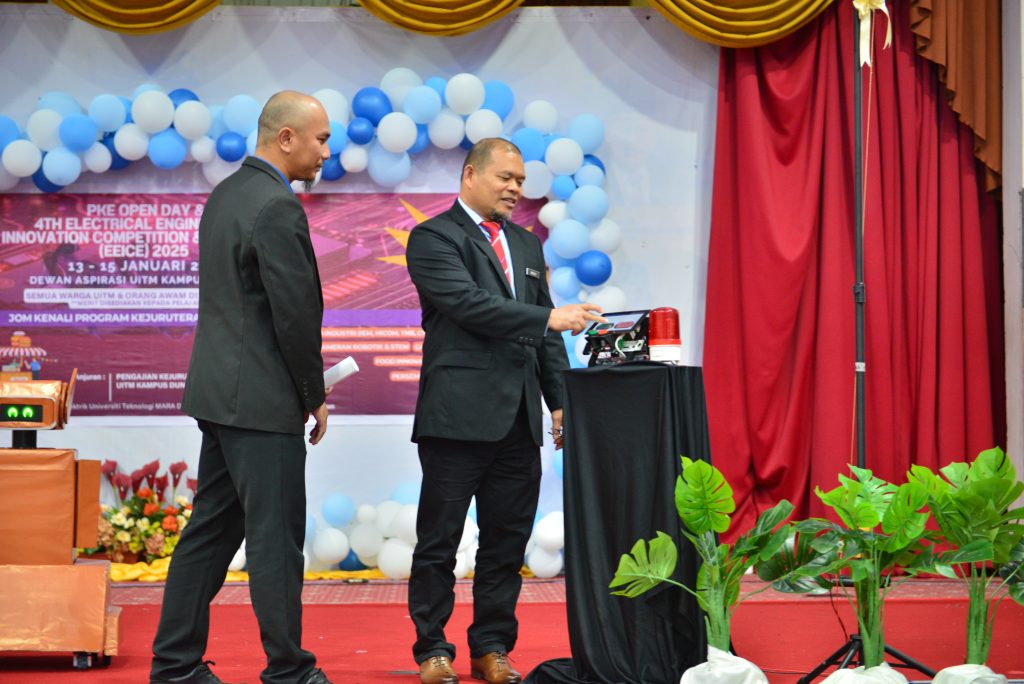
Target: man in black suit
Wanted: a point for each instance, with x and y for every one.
(492, 348)
(255, 377)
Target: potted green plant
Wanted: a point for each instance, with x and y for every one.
(704, 501)
(971, 504)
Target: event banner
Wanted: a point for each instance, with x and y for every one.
(108, 284)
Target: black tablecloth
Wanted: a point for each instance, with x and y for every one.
(626, 427)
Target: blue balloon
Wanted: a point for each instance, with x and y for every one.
(144, 88)
(42, 183)
(339, 137)
(351, 562)
(361, 130)
(498, 98)
(372, 104)
(167, 149)
(407, 493)
(563, 187)
(108, 111)
(217, 125)
(588, 131)
(422, 104)
(593, 267)
(550, 138)
(388, 168)
(61, 166)
(570, 341)
(422, 139)
(62, 103)
(552, 259)
(589, 174)
(310, 527)
(557, 462)
(438, 84)
(570, 238)
(241, 114)
(9, 131)
(588, 204)
(117, 162)
(466, 143)
(564, 282)
(596, 161)
(181, 95)
(78, 132)
(127, 104)
(332, 169)
(531, 144)
(231, 146)
(338, 510)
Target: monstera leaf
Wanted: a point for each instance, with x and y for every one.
(641, 570)
(703, 498)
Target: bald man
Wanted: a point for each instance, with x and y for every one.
(255, 377)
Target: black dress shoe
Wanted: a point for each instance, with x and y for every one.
(317, 676)
(201, 675)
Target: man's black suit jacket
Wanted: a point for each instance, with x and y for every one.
(256, 359)
(483, 351)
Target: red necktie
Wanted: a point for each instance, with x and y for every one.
(494, 230)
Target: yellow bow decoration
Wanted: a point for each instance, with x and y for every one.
(866, 10)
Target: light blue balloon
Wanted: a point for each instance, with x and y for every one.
(167, 149)
(387, 168)
(62, 103)
(588, 204)
(250, 142)
(564, 282)
(557, 462)
(570, 238)
(127, 104)
(339, 137)
(338, 510)
(531, 144)
(217, 125)
(588, 131)
(108, 112)
(61, 166)
(570, 347)
(422, 104)
(310, 526)
(471, 514)
(498, 98)
(438, 84)
(593, 267)
(144, 88)
(9, 131)
(563, 187)
(241, 114)
(78, 132)
(552, 259)
(589, 174)
(407, 493)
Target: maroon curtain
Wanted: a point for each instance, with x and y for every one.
(779, 332)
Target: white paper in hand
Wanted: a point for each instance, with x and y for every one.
(340, 371)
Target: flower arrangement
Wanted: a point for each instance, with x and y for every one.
(147, 520)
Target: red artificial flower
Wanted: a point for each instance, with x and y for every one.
(193, 484)
(109, 469)
(170, 524)
(123, 483)
(137, 476)
(150, 470)
(144, 492)
(161, 487)
(177, 470)
(150, 508)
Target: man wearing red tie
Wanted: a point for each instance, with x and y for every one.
(492, 349)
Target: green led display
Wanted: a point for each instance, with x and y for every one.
(22, 413)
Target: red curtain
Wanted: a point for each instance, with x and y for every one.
(779, 332)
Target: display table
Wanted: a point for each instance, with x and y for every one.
(625, 428)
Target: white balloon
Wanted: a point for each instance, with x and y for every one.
(97, 158)
(7, 179)
(469, 532)
(461, 566)
(404, 525)
(446, 130)
(544, 564)
(355, 158)
(22, 158)
(564, 156)
(203, 150)
(531, 544)
(396, 132)
(365, 539)
(335, 104)
(395, 559)
(538, 180)
(366, 514)
(43, 128)
(305, 560)
(553, 213)
(237, 563)
(131, 142)
(330, 545)
(386, 512)
(397, 83)
(481, 124)
(606, 236)
(609, 298)
(153, 111)
(542, 115)
(464, 93)
(217, 170)
(192, 120)
(550, 532)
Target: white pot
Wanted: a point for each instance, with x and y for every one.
(723, 668)
(968, 674)
(882, 674)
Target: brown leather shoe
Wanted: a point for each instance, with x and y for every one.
(493, 668)
(438, 670)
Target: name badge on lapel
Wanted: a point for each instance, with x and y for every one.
(530, 273)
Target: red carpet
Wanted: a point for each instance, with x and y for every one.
(362, 635)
